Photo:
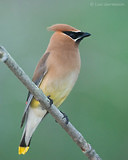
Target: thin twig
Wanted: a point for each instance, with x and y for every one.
(44, 101)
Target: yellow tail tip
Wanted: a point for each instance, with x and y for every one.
(23, 150)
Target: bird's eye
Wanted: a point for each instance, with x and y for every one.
(73, 35)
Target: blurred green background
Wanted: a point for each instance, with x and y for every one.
(98, 104)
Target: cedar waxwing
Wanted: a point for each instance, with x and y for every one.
(56, 74)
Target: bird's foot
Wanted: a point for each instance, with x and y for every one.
(66, 117)
(51, 101)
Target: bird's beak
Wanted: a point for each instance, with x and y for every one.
(85, 34)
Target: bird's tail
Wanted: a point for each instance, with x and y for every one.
(34, 117)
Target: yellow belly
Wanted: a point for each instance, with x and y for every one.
(57, 95)
(58, 90)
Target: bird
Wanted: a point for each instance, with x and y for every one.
(55, 74)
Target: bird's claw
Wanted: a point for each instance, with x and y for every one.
(66, 117)
(51, 101)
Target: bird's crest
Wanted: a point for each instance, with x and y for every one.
(62, 27)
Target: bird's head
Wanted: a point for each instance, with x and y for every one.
(67, 32)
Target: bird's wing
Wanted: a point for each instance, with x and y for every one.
(39, 74)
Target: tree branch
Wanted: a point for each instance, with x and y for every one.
(44, 101)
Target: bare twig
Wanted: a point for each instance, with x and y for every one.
(44, 101)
